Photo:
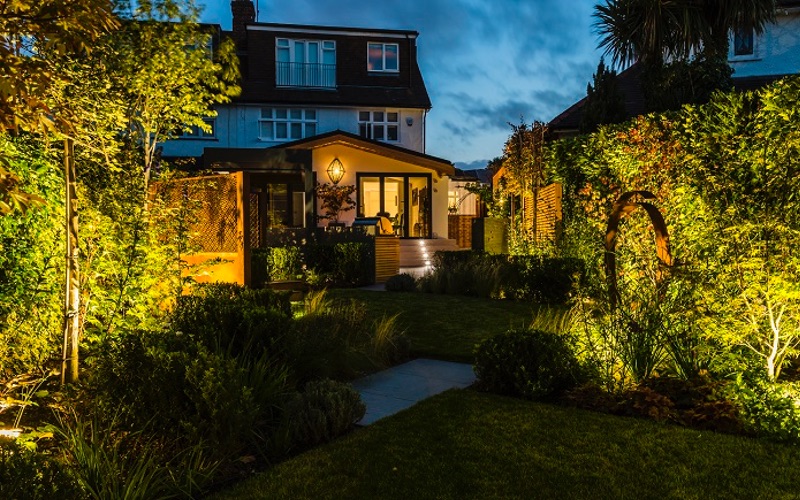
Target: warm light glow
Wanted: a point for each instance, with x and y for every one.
(335, 171)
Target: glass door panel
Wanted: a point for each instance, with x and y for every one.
(419, 211)
(370, 196)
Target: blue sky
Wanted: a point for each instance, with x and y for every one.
(485, 62)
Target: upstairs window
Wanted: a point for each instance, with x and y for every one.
(305, 63)
(383, 57)
(379, 125)
(287, 124)
(196, 132)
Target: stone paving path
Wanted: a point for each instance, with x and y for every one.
(390, 391)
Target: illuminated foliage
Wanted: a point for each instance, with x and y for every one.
(724, 176)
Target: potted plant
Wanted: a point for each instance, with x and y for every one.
(335, 200)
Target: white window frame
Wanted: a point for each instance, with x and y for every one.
(383, 68)
(306, 119)
(376, 125)
(308, 77)
(198, 133)
(732, 56)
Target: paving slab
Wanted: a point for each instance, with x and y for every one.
(390, 391)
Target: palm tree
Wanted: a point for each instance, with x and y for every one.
(652, 31)
(681, 44)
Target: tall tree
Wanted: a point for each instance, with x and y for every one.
(604, 103)
(33, 35)
(171, 71)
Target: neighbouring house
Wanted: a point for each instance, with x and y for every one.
(464, 206)
(349, 97)
(319, 104)
(756, 60)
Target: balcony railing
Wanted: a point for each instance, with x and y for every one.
(310, 75)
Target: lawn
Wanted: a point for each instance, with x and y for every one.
(465, 444)
(443, 326)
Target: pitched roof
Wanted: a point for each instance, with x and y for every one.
(439, 165)
(629, 83)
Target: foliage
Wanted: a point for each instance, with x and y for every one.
(276, 264)
(31, 264)
(692, 38)
(633, 30)
(528, 363)
(33, 475)
(332, 340)
(324, 410)
(769, 409)
(389, 343)
(604, 103)
(519, 277)
(402, 282)
(523, 158)
(170, 383)
(105, 470)
(335, 199)
(231, 318)
(170, 71)
(30, 32)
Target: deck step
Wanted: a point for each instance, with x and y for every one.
(418, 253)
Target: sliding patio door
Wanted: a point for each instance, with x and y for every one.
(403, 199)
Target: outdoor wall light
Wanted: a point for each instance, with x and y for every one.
(335, 171)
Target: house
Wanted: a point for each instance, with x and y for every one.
(324, 104)
(756, 60)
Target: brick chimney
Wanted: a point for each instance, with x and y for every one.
(243, 13)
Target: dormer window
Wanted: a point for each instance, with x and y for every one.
(383, 57)
(305, 63)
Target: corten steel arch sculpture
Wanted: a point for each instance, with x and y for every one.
(621, 208)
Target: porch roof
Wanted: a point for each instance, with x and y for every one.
(398, 153)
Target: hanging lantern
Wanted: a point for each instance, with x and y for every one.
(335, 171)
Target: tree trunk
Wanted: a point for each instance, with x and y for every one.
(69, 362)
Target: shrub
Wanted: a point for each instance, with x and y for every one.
(187, 391)
(29, 474)
(324, 410)
(527, 363)
(518, 277)
(233, 318)
(542, 280)
(401, 283)
(343, 263)
(769, 409)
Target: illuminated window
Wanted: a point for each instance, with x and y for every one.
(383, 57)
(196, 132)
(379, 125)
(287, 124)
